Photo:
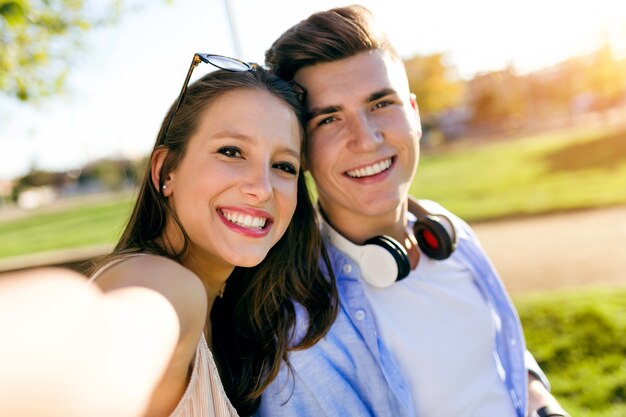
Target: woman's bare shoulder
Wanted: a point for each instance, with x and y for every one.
(152, 271)
(179, 285)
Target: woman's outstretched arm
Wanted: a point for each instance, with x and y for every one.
(68, 349)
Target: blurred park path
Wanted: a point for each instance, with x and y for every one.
(559, 250)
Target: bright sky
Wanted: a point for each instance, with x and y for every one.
(129, 74)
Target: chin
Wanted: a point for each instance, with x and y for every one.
(248, 264)
(247, 261)
(382, 206)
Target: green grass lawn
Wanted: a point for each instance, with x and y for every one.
(579, 340)
(545, 173)
(79, 225)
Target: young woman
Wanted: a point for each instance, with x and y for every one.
(224, 195)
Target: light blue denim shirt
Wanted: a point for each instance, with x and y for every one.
(350, 372)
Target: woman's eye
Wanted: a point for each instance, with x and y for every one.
(286, 167)
(230, 151)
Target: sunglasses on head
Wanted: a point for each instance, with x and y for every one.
(221, 62)
(218, 61)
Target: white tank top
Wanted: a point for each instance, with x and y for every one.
(204, 396)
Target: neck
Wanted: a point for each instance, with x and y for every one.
(212, 271)
(212, 274)
(213, 278)
(359, 228)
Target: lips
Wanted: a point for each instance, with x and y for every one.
(249, 222)
(370, 170)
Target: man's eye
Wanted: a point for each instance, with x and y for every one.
(326, 120)
(230, 151)
(286, 167)
(381, 104)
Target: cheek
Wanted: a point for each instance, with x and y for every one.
(398, 121)
(414, 124)
(319, 155)
(293, 200)
(288, 198)
(311, 150)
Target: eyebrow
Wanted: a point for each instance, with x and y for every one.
(318, 111)
(245, 138)
(382, 93)
(292, 152)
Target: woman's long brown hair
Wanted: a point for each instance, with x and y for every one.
(253, 323)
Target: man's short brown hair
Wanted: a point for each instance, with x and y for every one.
(324, 37)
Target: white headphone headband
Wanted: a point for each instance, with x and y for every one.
(377, 265)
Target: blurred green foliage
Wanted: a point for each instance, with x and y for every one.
(38, 39)
(579, 340)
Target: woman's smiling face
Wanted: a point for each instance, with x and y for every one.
(235, 189)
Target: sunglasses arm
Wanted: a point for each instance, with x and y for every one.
(194, 63)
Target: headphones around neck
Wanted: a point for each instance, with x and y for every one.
(383, 260)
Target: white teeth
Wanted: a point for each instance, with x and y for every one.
(245, 220)
(368, 171)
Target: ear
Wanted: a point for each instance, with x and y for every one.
(413, 100)
(161, 185)
(416, 110)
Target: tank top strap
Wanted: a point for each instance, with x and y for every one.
(113, 262)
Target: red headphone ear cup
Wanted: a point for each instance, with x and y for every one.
(396, 250)
(433, 238)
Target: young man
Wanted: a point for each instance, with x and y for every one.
(443, 342)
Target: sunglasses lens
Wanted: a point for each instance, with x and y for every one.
(228, 64)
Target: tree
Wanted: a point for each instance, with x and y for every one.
(434, 83)
(496, 98)
(38, 178)
(605, 78)
(38, 38)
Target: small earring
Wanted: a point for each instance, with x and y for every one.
(164, 187)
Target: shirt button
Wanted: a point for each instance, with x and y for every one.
(513, 342)
(359, 315)
(347, 268)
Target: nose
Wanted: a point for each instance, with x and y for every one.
(365, 135)
(257, 184)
